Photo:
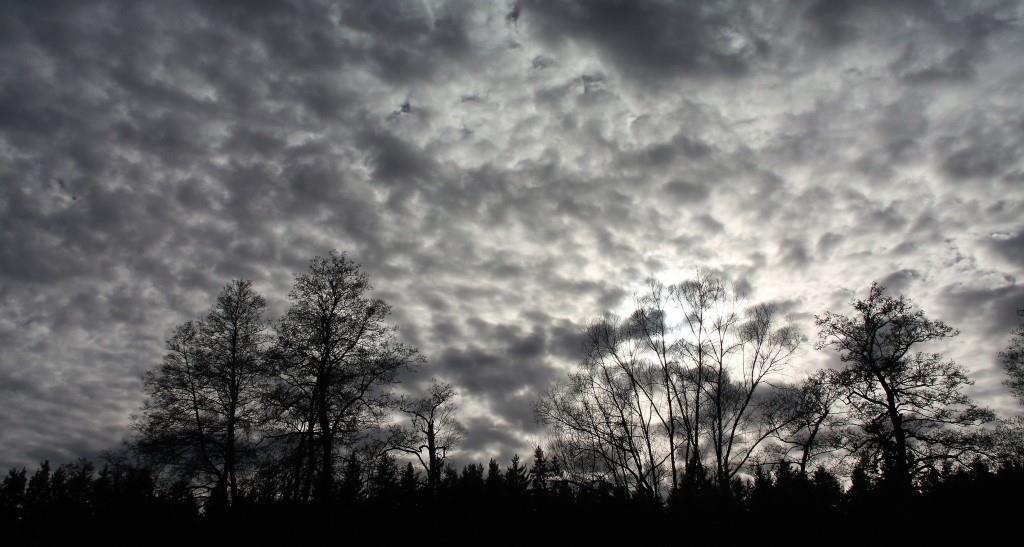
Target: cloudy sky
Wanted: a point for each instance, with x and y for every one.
(504, 173)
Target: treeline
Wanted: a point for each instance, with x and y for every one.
(387, 501)
(683, 420)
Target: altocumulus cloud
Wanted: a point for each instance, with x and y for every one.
(504, 172)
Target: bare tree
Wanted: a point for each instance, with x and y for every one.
(234, 340)
(176, 426)
(815, 426)
(744, 355)
(650, 388)
(202, 406)
(909, 405)
(333, 357)
(651, 325)
(605, 411)
(433, 431)
(697, 300)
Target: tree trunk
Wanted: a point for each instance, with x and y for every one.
(900, 469)
(325, 481)
(900, 435)
(308, 451)
(671, 432)
(229, 458)
(433, 471)
(229, 451)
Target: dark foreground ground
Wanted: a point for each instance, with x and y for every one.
(971, 506)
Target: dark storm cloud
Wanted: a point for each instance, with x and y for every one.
(516, 360)
(964, 27)
(490, 440)
(504, 172)
(654, 41)
(830, 22)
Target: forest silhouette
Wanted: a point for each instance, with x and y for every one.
(684, 421)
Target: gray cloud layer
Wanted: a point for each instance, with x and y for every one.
(504, 173)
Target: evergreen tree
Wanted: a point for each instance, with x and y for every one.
(862, 484)
(384, 481)
(449, 479)
(762, 491)
(12, 496)
(471, 481)
(827, 490)
(495, 483)
(409, 482)
(37, 494)
(352, 481)
(516, 477)
(540, 473)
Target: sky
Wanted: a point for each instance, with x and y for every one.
(504, 173)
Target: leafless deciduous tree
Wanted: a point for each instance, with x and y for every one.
(334, 355)
(681, 378)
(202, 405)
(909, 405)
(433, 431)
(816, 420)
(651, 327)
(604, 414)
(742, 361)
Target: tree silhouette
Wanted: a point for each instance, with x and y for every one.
(333, 357)
(909, 406)
(494, 484)
(352, 482)
(234, 342)
(409, 483)
(652, 328)
(602, 415)
(12, 497)
(433, 431)
(738, 423)
(814, 428)
(698, 299)
(664, 423)
(540, 473)
(1010, 434)
(516, 478)
(647, 389)
(202, 402)
(384, 480)
(1013, 360)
